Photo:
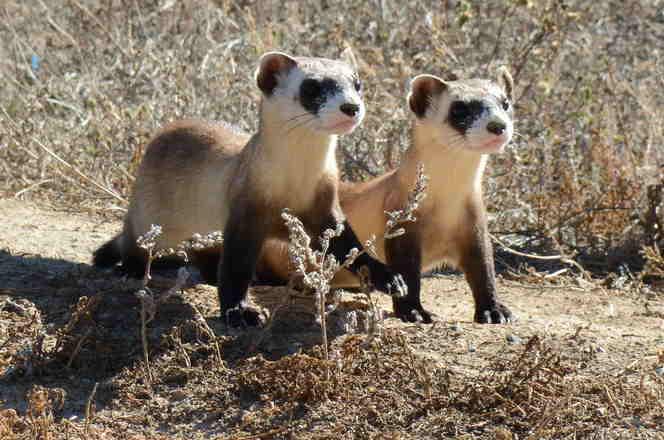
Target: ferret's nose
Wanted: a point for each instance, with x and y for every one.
(349, 109)
(496, 127)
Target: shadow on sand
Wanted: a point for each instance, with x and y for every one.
(68, 325)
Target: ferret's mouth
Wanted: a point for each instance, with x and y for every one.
(495, 145)
(343, 127)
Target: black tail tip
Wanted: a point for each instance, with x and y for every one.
(108, 255)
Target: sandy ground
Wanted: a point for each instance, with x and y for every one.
(44, 266)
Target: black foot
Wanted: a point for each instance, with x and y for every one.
(495, 314)
(131, 271)
(389, 282)
(397, 287)
(410, 312)
(208, 277)
(243, 316)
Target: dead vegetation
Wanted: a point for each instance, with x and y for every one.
(536, 391)
(87, 82)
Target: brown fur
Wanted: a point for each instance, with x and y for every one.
(198, 177)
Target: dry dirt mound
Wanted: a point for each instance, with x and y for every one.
(579, 362)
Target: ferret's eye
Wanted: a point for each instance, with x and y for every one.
(357, 84)
(310, 89)
(506, 104)
(459, 110)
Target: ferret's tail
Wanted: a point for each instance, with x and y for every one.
(109, 254)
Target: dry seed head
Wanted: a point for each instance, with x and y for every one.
(302, 256)
(352, 256)
(415, 197)
(148, 303)
(170, 251)
(197, 242)
(148, 241)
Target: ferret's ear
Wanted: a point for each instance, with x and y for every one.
(506, 82)
(270, 66)
(423, 89)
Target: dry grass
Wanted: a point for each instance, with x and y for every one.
(86, 83)
(582, 176)
(536, 393)
(539, 391)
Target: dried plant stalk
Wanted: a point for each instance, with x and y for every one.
(317, 268)
(148, 242)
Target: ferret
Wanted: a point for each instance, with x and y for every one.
(457, 124)
(198, 177)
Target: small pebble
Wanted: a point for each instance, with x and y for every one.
(472, 348)
(503, 434)
(513, 339)
(600, 349)
(178, 395)
(456, 327)
(659, 371)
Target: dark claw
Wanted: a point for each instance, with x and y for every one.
(425, 316)
(495, 314)
(397, 288)
(243, 316)
(408, 312)
(383, 279)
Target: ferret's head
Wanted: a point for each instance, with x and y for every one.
(317, 94)
(473, 114)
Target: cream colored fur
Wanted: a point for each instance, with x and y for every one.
(454, 165)
(291, 152)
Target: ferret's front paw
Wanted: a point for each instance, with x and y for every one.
(389, 282)
(243, 316)
(411, 311)
(397, 288)
(497, 313)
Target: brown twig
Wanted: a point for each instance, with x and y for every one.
(89, 409)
